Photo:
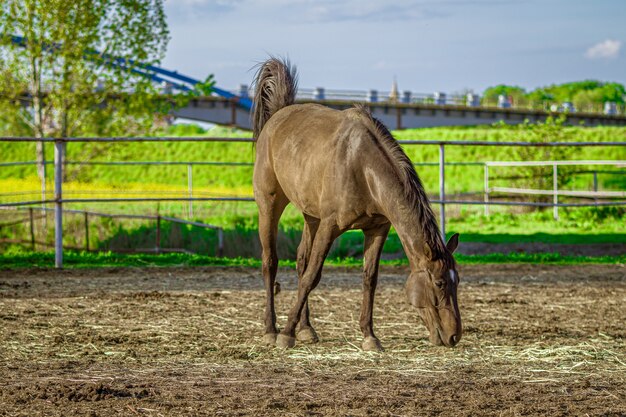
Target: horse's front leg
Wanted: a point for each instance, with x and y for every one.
(326, 234)
(374, 242)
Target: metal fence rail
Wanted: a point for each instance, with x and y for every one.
(87, 214)
(189, 164)
(554, 192)
(61, 143)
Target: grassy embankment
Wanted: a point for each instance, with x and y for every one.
(237, 180)
(239, 219)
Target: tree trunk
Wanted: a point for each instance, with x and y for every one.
(40, 153)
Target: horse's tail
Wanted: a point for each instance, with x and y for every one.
(276, 84)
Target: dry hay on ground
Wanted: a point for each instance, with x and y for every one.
(538, 340)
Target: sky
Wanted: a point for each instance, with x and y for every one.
(451, 46)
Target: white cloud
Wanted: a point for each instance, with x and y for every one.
(608, 48)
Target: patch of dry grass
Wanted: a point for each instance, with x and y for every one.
(184, 346)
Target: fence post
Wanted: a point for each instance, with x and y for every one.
(220, 242)
(32, 228)
(44, 192)
(158, 234)
(190, 189)
(59, 150)
(555, 191)
(486, 197)
(86, 231)
(442, 191)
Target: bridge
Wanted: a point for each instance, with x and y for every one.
(224, 111)
(396, 111)
(409, 110)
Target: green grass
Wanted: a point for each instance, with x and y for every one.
(576, 225)
(14, 260)
(149, 151)
(584, 225)
(459, 178)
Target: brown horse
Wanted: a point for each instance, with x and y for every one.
(344, 170)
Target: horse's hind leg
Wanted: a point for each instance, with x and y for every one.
(271, 207)
(306, 332)
(374, 242)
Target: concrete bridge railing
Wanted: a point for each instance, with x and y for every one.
(396, 115)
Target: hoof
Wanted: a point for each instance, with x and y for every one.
(372, 344)
(269, 339)
(285, 342)
(307, 335)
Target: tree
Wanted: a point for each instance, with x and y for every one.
(516, 93)
(74, 68)
(539, 98)
(12, 86)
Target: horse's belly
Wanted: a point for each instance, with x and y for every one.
(348, 210)
(307, 202)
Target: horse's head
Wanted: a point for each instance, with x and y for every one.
(432, 289)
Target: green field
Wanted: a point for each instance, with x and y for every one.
(504, 225)
(460, 179)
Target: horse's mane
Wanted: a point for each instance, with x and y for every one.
(413, 189)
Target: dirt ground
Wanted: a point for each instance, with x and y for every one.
(539, 340)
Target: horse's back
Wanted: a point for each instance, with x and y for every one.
(317, 156)
(305, 124)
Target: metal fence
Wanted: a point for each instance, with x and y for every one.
(554, 192)
(59, 162)
(87, 215)
(189, 164)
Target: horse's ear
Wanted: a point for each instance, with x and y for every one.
(453, 243)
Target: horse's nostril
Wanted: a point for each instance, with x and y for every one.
(454, 340)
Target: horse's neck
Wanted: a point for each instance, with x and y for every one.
(402, 212)
(405, 219)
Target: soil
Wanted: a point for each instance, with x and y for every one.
(538, 340)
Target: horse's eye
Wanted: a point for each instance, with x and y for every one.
(440, 284)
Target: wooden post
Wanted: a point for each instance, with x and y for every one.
(190, 189)
(86, 231)
(32, 228)
(158, 234)
(220, 242)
